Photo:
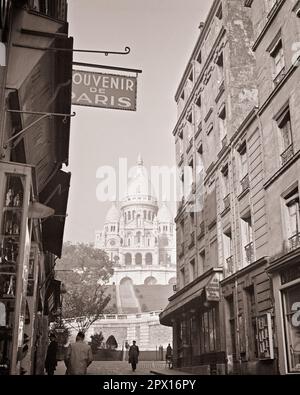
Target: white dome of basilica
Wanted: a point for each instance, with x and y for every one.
(164, 214)
(113, 214)
(139, 184)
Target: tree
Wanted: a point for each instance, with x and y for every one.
(96, 341)
(85, 271)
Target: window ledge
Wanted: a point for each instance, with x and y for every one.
(200, 236)
(270, 17)
(220, 91)
(225, 211)
(282, 170)
(244, 193)
(212, 224)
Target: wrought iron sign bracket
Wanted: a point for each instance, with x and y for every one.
(106, 53)
(43, 115)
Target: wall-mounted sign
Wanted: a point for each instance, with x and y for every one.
(104, 90)
(265, 337)
(212, 290)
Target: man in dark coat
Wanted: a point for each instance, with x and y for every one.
(169, 355)
(51, 362)
(133, 355)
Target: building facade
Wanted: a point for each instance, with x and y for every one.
(276, 48)
(237, 130)
(35, 84)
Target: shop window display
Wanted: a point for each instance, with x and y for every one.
(12, 210)
(292, 326)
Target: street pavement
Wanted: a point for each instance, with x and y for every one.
(108, 368)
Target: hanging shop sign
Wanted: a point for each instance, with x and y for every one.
(104, 90)
(212, 290)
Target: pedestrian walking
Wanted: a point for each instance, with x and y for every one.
(133, 355)
(169, 356)
(78, 357)
(51, 362)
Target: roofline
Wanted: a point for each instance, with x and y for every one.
(199, 42)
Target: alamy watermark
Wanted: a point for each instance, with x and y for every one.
(164, 183)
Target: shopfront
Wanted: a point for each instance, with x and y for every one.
(286, 282)
(15, 239)
(194, 314)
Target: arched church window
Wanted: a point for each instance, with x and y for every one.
(128, 242)
(138, 258)
(128, 259)
(145, 214)
(129, 215)
(125, 216)
(149, 259)
(149, 215)
(138, 237)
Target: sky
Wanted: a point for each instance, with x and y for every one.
(161, 35)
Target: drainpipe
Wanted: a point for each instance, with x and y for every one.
(235, 299)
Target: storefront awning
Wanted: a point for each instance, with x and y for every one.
(207, 285)
(55, 195)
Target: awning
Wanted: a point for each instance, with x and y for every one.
(191, 294)
(44, 85)
(55, 195)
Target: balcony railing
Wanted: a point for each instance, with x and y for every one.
(245, 183)
(229, 266)
(294, 241)
(249, 249)
(56, 9)
(287, 154)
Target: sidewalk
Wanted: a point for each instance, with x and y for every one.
(169, 372)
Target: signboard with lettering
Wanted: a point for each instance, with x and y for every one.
(104, 90)
(212, 290)
(265, 337)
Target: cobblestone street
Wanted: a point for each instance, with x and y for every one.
(116, 368)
